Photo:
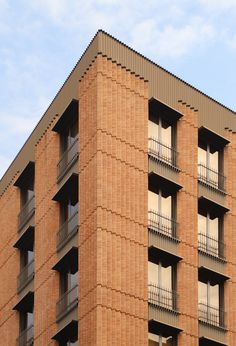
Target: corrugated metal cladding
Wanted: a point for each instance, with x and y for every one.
(163, 86)
(168, 88)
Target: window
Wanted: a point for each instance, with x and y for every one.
(162, 211)
(161, 134)
(210, 300)
(68, 210)
(68, 281)
(159, 340)
(69, 135)
(162, 284)
(210, 165)
(210, 234)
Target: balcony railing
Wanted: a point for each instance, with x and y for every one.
(162, 152)
(26, 213)
(211, 177)
(67, 230)
(162, 297)
(211, 315)
(25, 276)
(26, 338)
(210, 245)
(161, 224)
(67, 302)
(67, 159)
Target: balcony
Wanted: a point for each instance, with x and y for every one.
(26, 213)
(67, 231)
(25, 276)
(67, 159)
(211, 177)
(211, 315)
(67, 302)
(162, 224)
(162, 152)
(26, 338)
(162, 297)
(211, 246)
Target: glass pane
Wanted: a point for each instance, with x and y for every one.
(153, 339)
(214, 296)
(202, 292)
(166, 277)
(152, 201)
(167, 341)
(214, 228)
(214, 163)
(202, 220)
(153, 130)
(166, 206)
(72, 280)
(30, 319)
(166, 136)
(153, 273)
(202, 154)
(30, 256)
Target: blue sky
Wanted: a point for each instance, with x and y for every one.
(41, 40)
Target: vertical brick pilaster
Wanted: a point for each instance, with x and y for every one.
(113, 206)
(187, 210)
(230, 237)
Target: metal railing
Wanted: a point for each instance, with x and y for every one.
(211, 177)
(26, 338)
(210, 245)
(162, 152)
(25, 276)
(67, 230)
(27, 211)
(67, 159)
(161, 224)
(70, 343)
(67, 302)
(162, 297)
(211, 315)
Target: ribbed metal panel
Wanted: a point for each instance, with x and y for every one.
(167, 87)
(214, 334)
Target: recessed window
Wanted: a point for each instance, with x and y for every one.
(210, 303)
(162, 142)
(162, 211)
(162, 284)
(210, 234)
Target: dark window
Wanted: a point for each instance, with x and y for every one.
(159, 340)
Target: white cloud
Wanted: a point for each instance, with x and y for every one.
(4, 164)
(171, 41)
(219, 5)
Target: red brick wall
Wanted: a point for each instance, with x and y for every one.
(113, 207)
(9, 266)
(187, 210)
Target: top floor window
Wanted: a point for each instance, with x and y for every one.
(162, 132)
(211, 158)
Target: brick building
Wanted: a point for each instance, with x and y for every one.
(118, 215)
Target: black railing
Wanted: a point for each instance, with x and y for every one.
(26, 338)
(27, 211)
(162, 152)
(211, 315)
(162, 297)
(25, 276)
(210, 245)
(211, 177)
(67, 159)
(161, 224)
(67, 302)
(67, 230)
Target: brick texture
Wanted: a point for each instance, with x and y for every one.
(113, 206)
